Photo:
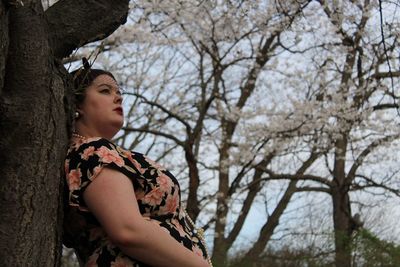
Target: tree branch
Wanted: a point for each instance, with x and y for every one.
(357, 163)
(162, 108)
(382, 75)
(313, 189)
(249, 200)
(74, 23)
(143, 130)
(295, 177)
(372, 184)
(386, 106)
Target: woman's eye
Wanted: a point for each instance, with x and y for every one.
(105, 91)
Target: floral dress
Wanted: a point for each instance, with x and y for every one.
(157, 192)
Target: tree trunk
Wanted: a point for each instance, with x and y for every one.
(220, 250)
(194, 182)
(33, 136)
(342, 226)
(3, 42)
(341, 206)
(35, 114)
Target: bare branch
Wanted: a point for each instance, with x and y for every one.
(314, 189)
(386, 106)
(161, 107)
(358, 162)
(383, 75)
(166, 135)
(295, 177)
(372, 184)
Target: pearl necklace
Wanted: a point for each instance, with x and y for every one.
(200, 233)
(76, 135)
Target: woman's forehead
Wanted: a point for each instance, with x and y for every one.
(105, 79)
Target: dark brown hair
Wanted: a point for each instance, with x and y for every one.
(83, 77)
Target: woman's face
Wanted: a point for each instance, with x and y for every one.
(101, 110)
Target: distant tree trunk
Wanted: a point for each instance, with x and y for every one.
(341, 207)
(342, 225)
(194, 182)
(35, 114)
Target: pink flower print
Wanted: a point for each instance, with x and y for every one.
(179, 227)
(107, 156)
(126, 153)
(154, 197)
(164, 182)
(136, 164)
(122, 262)
(139, 194)
(154, 164)
(172, 203)
(74, 179)
(92, 260)
(88, 152)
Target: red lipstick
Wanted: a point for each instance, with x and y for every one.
(119, 110)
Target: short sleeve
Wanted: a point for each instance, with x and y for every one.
(85, 162)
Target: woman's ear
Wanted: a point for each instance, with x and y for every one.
(78, 111)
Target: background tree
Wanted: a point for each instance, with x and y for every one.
(35, 113)
(347, 93)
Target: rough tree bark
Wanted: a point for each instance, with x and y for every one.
(35, 113)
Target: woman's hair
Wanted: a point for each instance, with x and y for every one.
(83, 77)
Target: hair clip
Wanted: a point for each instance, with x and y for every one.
(85, 67)
(85, 63)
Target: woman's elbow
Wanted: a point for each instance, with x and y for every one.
(127, 236)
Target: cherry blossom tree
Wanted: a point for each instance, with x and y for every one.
(347, 111)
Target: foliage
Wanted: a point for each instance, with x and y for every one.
(288, 257)
(372, 251)
(368, 251)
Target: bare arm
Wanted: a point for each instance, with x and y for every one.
(111, 198)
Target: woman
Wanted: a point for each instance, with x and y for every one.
(123, 209)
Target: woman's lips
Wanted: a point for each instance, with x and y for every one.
(119, 111)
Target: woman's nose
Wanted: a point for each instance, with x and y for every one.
(118, 98)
